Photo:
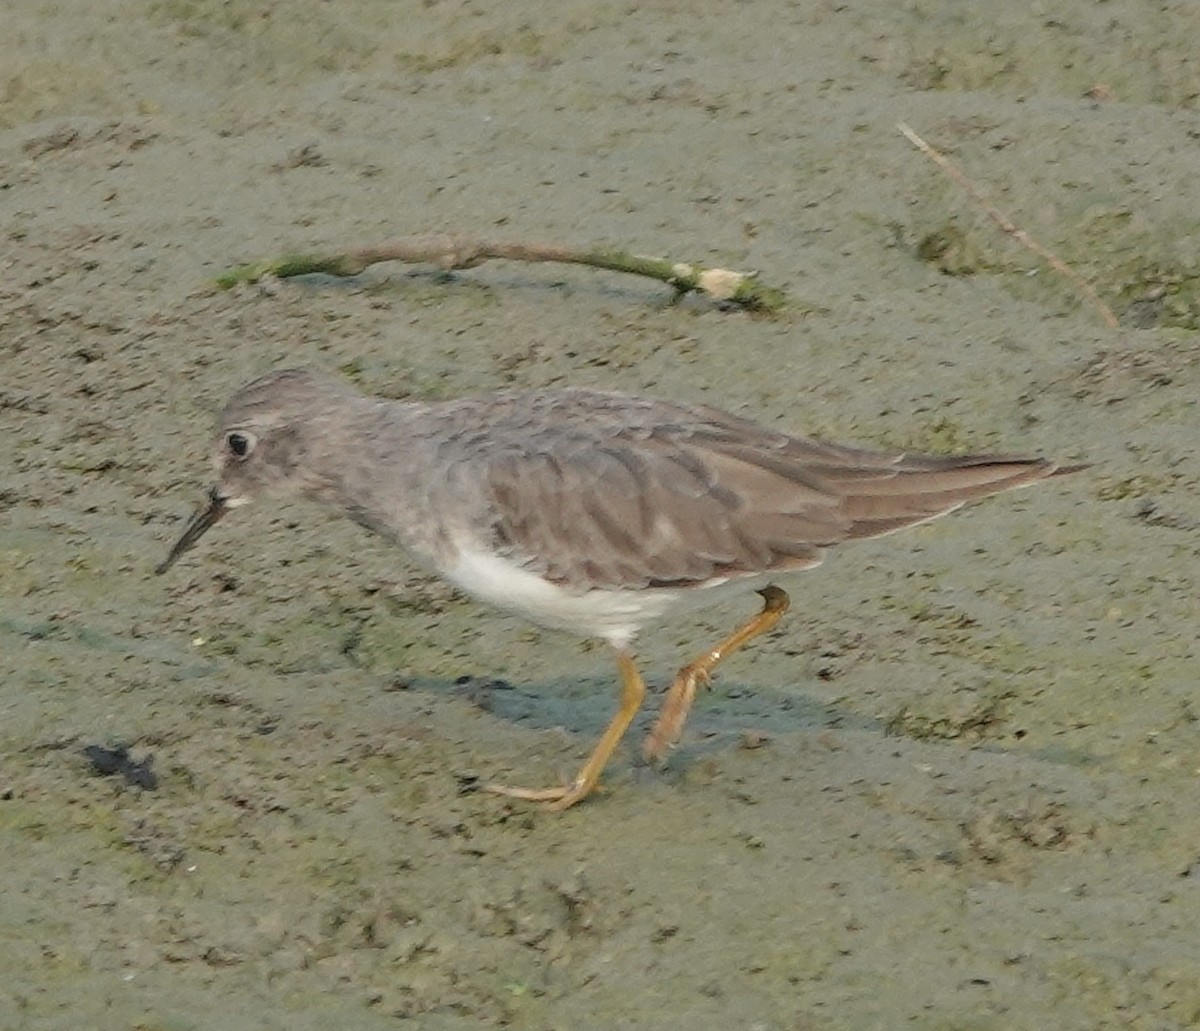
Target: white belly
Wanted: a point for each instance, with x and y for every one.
(614, 615)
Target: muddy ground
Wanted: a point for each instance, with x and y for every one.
(957, 788)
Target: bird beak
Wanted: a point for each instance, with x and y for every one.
(205, 517)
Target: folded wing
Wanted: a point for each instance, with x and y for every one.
(711, 498)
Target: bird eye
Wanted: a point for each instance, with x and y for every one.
(239, 444)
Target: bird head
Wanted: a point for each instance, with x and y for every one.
(264, 442)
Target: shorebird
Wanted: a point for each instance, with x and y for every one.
(596, 513)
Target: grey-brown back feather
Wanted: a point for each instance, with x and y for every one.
(700, 495)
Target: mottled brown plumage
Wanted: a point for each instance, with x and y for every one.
(587, 511)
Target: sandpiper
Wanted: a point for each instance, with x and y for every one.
(586, 511)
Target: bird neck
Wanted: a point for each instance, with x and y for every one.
(367, 465)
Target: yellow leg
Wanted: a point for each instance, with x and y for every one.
(633, 690)
(678, 703)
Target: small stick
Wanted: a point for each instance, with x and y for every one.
(1008, 226)
(742, 289)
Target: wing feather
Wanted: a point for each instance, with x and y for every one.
(705, 495)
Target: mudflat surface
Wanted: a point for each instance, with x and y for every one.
(955, 789)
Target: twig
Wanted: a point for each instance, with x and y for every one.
(1008, 226)
(742, 289)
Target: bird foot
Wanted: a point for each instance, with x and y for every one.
(556, 799)
(668, 728)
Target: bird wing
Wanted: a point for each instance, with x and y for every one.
(713, 496)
